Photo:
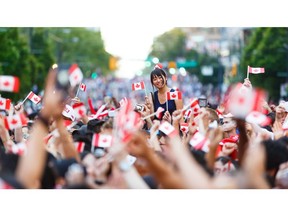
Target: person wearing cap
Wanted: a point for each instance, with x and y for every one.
(158, 98)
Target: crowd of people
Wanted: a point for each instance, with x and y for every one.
(157, 138)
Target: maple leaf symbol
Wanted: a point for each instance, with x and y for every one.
(6, 83)
(184, 129)
(255, 70)
(36, 99)
(195, 109)
(75, 77)
(137, 85)
(104, 140)
(173, 95)
(81, 112)
(241, 100)
(1, 103)
(14, 121)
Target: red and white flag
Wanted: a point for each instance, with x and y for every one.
(126, 122)
(184, 127)
(194, 105)
(82, 87)
(9, 83)
(123, 101)
(176, 95)
(79, 109)
(167, 128)
(79, 146)
(200, 142)
(138, 86)
(255, 70)
(15, 121)
(102, 140)
(258, 118)
(33, 97)
(241, 104)
(159, 112)
(75, 75)
(5, 104)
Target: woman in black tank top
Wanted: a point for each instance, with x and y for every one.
(158, 99)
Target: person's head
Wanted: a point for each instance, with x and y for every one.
(158, 78)
(229, 124)
(225, 164)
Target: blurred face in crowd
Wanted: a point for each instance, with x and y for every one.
(219, 167)
(228, 124)
(281, 113)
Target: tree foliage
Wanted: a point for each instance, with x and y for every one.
(268, 48)
(29, 52)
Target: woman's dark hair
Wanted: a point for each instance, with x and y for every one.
(157, 72)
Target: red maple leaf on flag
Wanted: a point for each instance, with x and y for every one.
(1, 103)
(137, 85)
(14, 121)
(6, 83)
(81, 112)
(173, 95)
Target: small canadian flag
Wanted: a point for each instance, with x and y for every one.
(82, 87)
(102, 140)
(176, 95)
(9, 83)
(159, 112)
(33, 97)
(75, 75)
(255, 70)
(194, 105)
(5, 104)
(79, 109)
(138, 86)
(15, 121)
(79, 146)
(167, 129)
(200, 142)
(184, 127)
(123, 101)
(240, 104)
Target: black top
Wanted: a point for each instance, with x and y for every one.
(171, 104)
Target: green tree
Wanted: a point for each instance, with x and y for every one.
(267, 47)
(82, 46)
(14, 59)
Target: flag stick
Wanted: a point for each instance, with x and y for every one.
(24, 99)
(146, 117)
(166, 102)
(248, 72)
(77, 91)
(145, 91)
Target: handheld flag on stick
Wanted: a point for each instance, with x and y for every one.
(33, 97)
(139, 86)
(254, 70)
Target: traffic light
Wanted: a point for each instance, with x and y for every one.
(234, 70)
(112, 63)
(172, 64)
